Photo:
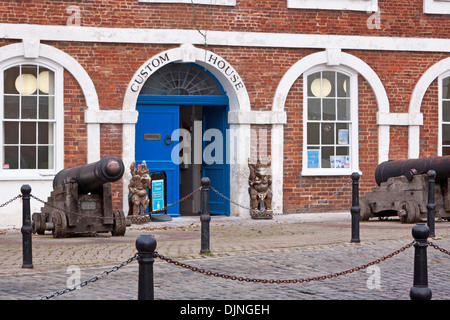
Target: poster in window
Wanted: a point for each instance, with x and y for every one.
(313, 158)
(343, 136)
(340, 162)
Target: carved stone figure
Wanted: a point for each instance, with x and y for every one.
(260, 189)
(137, 188)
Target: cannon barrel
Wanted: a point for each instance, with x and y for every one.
(91, 177)
(389, 169)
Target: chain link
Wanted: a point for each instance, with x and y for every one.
(301, 280)
(91, 280)
(283, 213)
(10, 200)
(136, 218)
(435, 246)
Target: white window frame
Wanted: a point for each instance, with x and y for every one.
(440, 118)
(353, 134)
(436, 6)
(206, 2)
(37, 174)
(353, 5)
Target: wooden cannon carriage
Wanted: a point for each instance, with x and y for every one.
(81, 201)
(403, 190)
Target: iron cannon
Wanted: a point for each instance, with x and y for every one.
(81, 201)
(402, 189)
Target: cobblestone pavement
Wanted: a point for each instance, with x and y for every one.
(286, 247)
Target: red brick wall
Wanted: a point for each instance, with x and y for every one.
(111, 67)
(398, 18)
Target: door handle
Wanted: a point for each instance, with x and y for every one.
(168, 140)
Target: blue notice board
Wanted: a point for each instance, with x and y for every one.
(157, 194)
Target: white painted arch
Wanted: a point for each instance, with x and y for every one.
(329, 57)
(436, 70)
(239, 101)
(34, 51)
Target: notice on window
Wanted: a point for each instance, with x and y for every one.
(313, 158)
(340, 161)
(343, 136)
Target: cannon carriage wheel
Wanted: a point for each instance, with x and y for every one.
(119, 226)
(38, 223)
(409, 212)
(364, 211)
(59, 220)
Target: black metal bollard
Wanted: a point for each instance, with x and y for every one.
(355, 207)
(420, 289)
(205, 217)
(146, 245)
(431, 205)
(26, 229)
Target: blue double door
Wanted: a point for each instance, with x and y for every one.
(158, 142)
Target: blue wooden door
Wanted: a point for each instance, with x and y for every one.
(154, 129)
(215, 165)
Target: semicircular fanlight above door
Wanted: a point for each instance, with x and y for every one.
(181, 79)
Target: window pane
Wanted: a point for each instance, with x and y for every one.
(327, 153)
(11, 158)
(343, 109)
(314, 88)
(329, 109)
(446, 111)
(46, 81)
(313, 133)
(28, 133)
(313, 109)
(11, 132)
(46, 107)
(446, 134)
(446, 151)
(45, 133)
(29, 107)
(45, 157)
(329, 84)
(327, 133)
(9, 80)
(11, 107)
(343, 85)
(446, 88)
(28, 157)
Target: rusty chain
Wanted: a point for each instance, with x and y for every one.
(303, 210)
(435, 246)
(91, 280)
(301, 280)
(101, 217)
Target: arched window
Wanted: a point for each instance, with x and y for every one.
(29, 118)
(330, 122)
(444, 115)
(181, 79)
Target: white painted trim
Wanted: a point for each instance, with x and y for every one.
(257, 117)
(221, 38)
(239, 101)
(415, 103)
(355, 5)
(436, 7)
(399, 119)
(205, 2)
(110, 116)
